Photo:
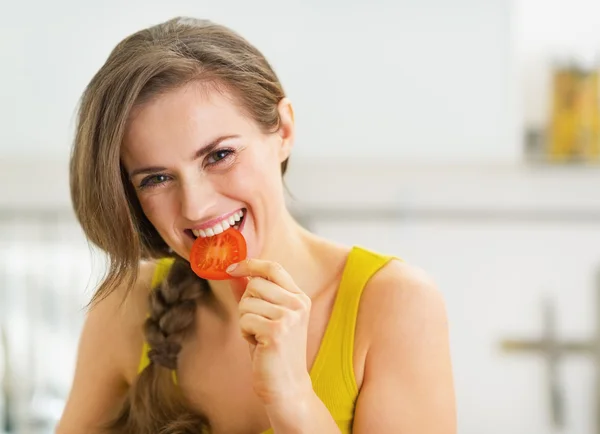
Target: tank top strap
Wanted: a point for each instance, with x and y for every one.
(333, 371)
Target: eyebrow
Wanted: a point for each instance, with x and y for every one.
(207, 149)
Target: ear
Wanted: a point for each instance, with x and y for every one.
(286, 129)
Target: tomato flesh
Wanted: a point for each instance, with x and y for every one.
(210, 256)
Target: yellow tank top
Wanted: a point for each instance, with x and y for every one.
(332, 372)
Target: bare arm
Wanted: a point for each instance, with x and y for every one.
(109, 351)
(408, 385)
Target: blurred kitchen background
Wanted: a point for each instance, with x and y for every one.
(461, 135)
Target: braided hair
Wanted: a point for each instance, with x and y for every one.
(154, 404)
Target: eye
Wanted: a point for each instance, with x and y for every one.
(153, 181)
(218, 156)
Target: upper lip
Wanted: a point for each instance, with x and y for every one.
(210, 223)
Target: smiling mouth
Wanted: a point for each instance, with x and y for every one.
(235, 221)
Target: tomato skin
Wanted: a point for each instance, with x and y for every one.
(210, 256)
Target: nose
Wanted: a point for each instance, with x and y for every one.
(197, 199)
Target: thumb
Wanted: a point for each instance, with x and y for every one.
(238, 286)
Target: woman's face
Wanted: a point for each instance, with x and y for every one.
(197, 163)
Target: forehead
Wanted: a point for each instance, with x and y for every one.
(189, 116)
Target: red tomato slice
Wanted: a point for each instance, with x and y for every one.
(210, 256)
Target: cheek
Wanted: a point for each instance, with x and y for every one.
(240, 179)
(248, 182)
(258, 174)
(154, 207)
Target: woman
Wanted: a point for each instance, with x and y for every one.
(184, 132)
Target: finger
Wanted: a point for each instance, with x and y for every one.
(260, 307)
(267, 270)
(261, 288)
(256, 327)
(251, 340)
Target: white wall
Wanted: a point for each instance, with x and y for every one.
(413, 79)
(547, 31)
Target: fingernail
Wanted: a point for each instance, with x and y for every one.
(231, 268)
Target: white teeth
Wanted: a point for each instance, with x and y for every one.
(219, 227)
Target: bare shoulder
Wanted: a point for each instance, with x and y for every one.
(398, 304)
(108, 355)
(407, 366)
(123, 312)
(402, 295)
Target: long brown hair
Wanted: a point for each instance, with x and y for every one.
(142, 67)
